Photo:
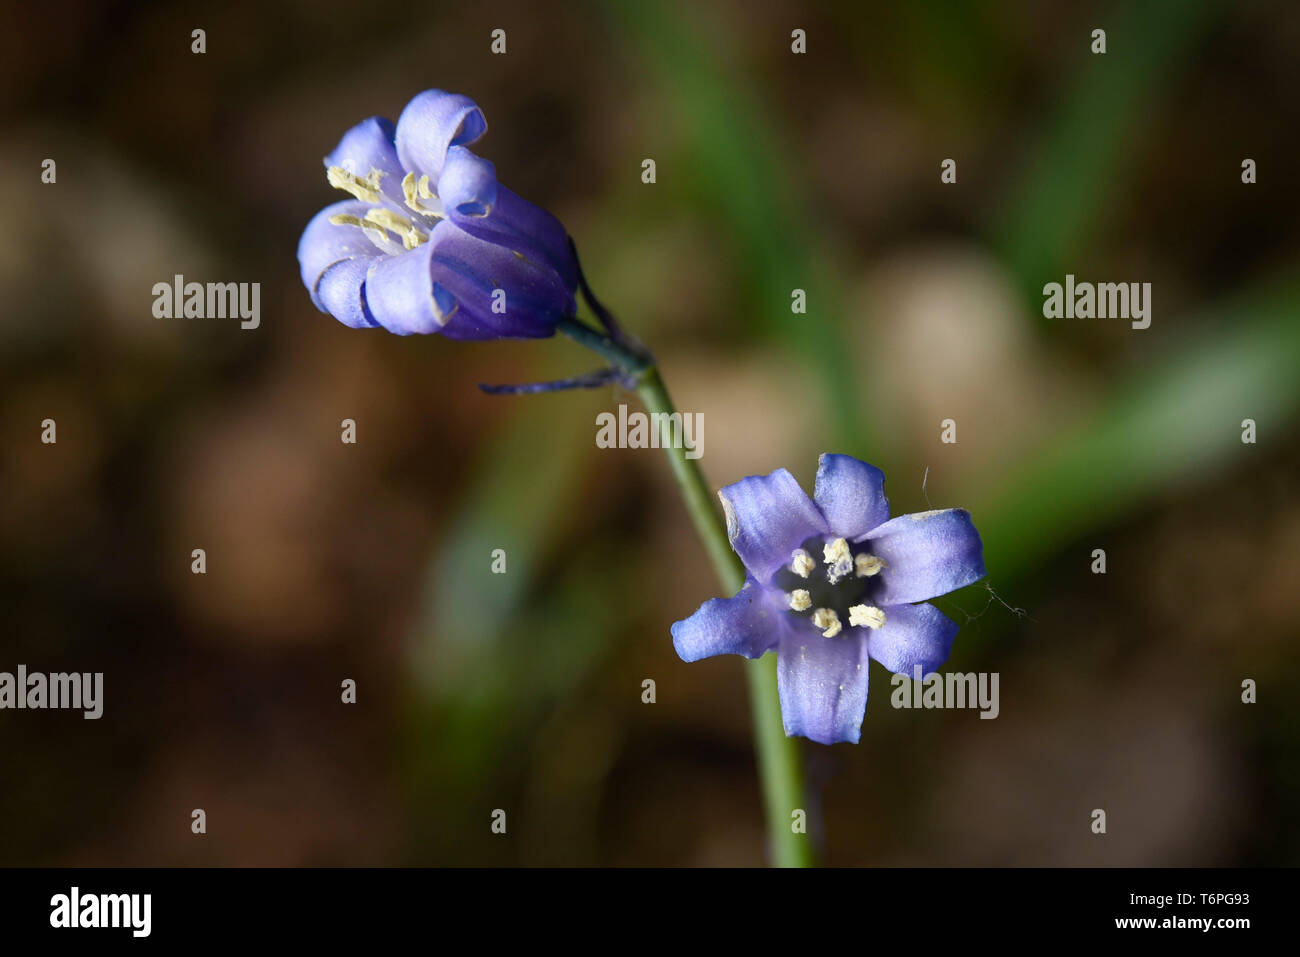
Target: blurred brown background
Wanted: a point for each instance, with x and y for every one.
(775, 171)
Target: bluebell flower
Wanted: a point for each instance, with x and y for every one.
(833, 582)
(429, 241)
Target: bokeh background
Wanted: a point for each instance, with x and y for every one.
(775, 171)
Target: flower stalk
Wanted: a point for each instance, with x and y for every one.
(779, 770)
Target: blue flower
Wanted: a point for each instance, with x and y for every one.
(832, 583)
(430, 241)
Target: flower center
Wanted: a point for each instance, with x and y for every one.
(839, 591)
(388, 220)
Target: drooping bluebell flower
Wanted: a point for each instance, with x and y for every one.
(832, 583)
(430, 242)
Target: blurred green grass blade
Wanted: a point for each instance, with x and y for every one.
(472, 741)
(517, 501)
(734, 169)
(1174, 422)
(1076, 172)
(542, 652)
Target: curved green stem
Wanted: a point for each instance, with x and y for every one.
(778, 756)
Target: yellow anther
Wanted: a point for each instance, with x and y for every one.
(827, 618)
(837, 555)
(388, 219)
(414, 191)
(347, 219)
(411, 236)
(801, 563)
(409, 191)
(866, 616)
(868, 565)
(800, 600)
(365, 189)
(836, 551)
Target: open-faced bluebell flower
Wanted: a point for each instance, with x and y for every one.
(833, 582)
(430, 242)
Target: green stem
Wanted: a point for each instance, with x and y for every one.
(778, 756)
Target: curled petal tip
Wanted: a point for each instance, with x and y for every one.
(433, 123)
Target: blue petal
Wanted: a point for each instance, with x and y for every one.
(526, 229)
(912, 635)
(403, 296)
(768, 517)
(367, 146)
(323, 244)
(823, 684)
(851, 494)
(741, 625)
(342, 292)
(468, 185)
(446, 286)
(432, 123)
(926, 554)
(472, 270)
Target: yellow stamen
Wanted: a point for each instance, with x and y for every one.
(827, 618)
(365, 189)
(346, 219)
(411, 236)
(866, 616)
(868, 565)
(409, 191)
(835, 551)
(800, 600)
(414, 191)
(801, 563)
(837, 555)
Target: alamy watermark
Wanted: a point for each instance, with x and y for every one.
(951, 690)
(179, 299)
(77, 691)
(1103, 300)
(75, 909)
(654, 430)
